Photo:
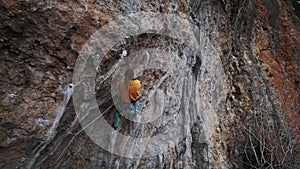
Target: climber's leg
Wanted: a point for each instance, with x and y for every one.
(117, 120)
(136, 105)
(133, 107)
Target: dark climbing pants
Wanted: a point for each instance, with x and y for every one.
(131, 108)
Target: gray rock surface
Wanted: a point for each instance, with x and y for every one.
(220, 83)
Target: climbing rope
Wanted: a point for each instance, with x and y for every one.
(75, 135)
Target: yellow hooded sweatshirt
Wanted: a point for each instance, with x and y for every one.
(133, 91)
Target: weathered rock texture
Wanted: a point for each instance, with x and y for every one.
(258, 43)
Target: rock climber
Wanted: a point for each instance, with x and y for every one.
(130, 91)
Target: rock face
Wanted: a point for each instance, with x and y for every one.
(222, 76)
